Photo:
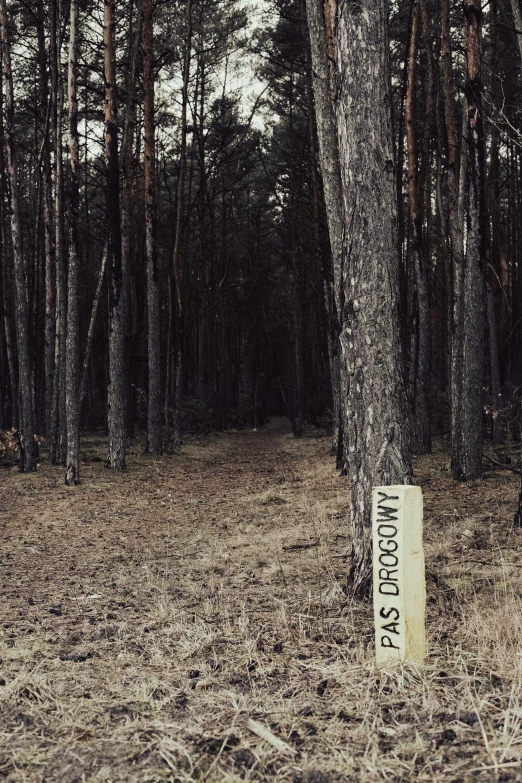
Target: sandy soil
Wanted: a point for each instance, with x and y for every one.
(154, 624)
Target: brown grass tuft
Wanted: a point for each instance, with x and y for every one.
(152, 621)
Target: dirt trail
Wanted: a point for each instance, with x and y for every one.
(111, 516)
(147, 616)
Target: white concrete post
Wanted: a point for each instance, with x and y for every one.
(399, 581)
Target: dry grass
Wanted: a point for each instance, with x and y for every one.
(148, 619)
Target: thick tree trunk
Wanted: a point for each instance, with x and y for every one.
(117, 330)
(469, 463)
(421, 423)
(369, 293)
(154, 437)
(332, 189)
(25, 379)
(72, 402)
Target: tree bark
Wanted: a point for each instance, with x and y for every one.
(421, 422)
(57, 434)
(177, 262)
(456, 235)
(72, 402)
(154, 436)
(332, 190)
(49, 273)
(90, 332)
(469, 463)
(127, 194)
(498, 262)
(25, 379)
(7, 285)
(116, 391)
(377, 425)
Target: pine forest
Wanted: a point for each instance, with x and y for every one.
(260, 266)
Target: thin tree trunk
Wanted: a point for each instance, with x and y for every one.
(470, 457)
(421, 423)
(456, 235)
(127, 195)
(57, 434)
(25, 382)
(494, 366)
(116, 391)
(7, 285)
(49, 274)
(177, 255)
(498, 264)
(92, 323)
(299, 376)
(154, 440)
(370, 332)
(72, 407)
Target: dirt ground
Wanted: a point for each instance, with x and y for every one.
(186, 621)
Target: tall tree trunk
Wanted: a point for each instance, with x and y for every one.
(498, 262)
(116, 392)
(421, 423)
(128, 195)
(57, 434)
(369, 292)
(177, 262)
(7, 286)
(332, 189)
(72, 402)
(49, 273)
(457, 337)
(470, 456)
(154, 442)
(25, 380)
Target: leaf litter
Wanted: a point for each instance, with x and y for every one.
(186, 621)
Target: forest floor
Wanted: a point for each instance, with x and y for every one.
(154, 624)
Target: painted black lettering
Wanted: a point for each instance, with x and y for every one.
(382, 528)
(389, 588)
(387, 642)
(386, 613)
(391, 628)
(393, 560)
(387, 513)
(385, 575)
(384, 496)
(391, 545)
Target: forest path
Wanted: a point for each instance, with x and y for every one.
(146, 615)
(158, 508)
